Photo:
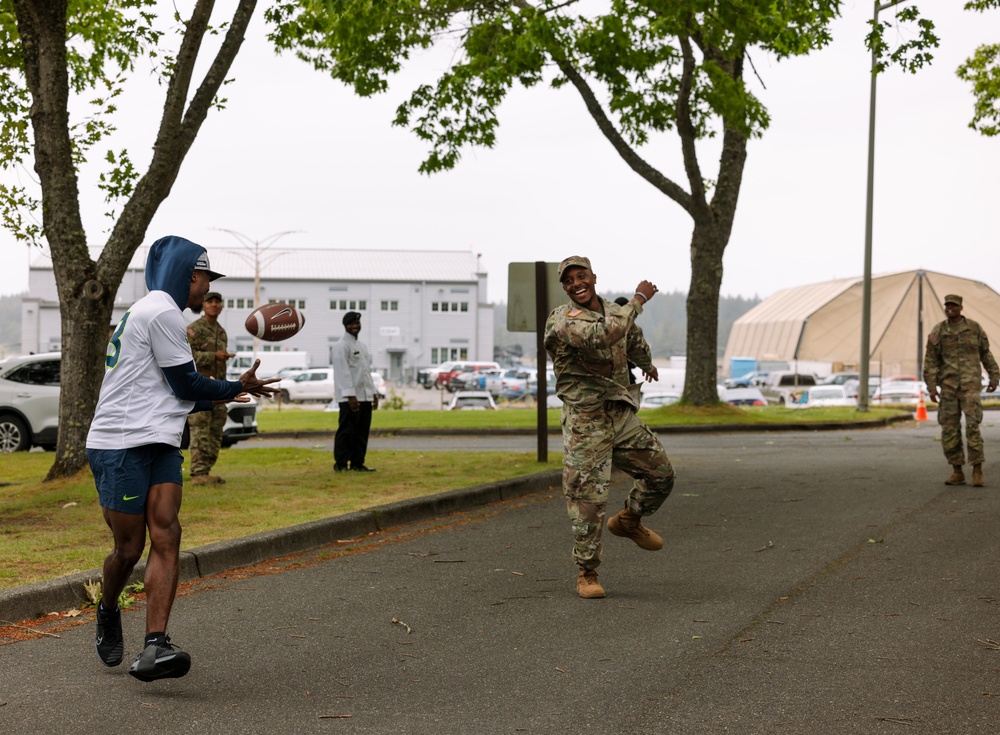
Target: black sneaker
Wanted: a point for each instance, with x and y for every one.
(160, 661)
(110, 641)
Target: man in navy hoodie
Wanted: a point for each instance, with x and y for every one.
(150, 386)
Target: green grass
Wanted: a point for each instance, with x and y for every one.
(304, 419)
(52, 529)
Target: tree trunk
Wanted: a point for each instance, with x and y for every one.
(707, 247)
(712, 230)
(86, 288)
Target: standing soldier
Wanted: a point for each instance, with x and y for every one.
(209, 344)
(591, 342)
(955, 350)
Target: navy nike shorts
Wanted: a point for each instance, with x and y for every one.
(124, 476)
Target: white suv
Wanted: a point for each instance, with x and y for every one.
(29, 406)
(29, 401)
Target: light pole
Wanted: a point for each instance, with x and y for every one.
(866, 284)
(256, 248)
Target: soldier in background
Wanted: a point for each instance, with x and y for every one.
(590, 341)
(209, 344)
(955, 350)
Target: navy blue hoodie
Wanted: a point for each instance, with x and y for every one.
(169, 266)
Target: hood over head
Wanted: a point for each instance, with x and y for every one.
(169, 266)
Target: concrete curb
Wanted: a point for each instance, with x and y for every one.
(36, 600)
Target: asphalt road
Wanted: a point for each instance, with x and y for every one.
(816, 583)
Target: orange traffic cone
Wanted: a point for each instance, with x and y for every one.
(921, 407)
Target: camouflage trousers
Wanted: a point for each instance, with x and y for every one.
(951, 405)
(206, 438)
(593, 443)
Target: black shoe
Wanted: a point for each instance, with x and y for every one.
(363, 468)
(160, 661)
(110, 641)
(340, 468)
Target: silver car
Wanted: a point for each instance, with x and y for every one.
(29, 401)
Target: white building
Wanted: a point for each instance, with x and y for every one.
(418, 308)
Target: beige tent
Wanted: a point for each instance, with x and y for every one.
(822, 322)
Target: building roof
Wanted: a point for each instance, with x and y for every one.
(822, 322)
(332, 264)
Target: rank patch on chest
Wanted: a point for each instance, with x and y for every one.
(574, 312)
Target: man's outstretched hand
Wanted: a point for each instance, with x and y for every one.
(256, 387)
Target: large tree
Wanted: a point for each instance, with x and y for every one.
(59, 56)
(643, 68)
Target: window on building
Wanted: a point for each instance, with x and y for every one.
(434, 306)
(464, 305)
(362, 305)
(390, 306)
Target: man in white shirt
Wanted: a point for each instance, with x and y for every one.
(356, 398)
(150, 386)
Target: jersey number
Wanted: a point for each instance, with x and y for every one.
(115, 343)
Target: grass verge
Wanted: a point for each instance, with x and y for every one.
(52, 529)
(296, 418)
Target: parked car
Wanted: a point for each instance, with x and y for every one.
(656, 400)
(314, 384)
(475, 380)
(29, 402)
(472, 400)
(839, 378)
(241, 423)
(784, 388)
(753, 378)
(380, 385)
(428, 376)
(29, 406)
(514, 384)
(445, 377)
(745, 396)
(900, 391)
(853, 387)
(823, 395)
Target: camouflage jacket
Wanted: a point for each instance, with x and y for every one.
(954, 355)
(590, 352)
(206, 339)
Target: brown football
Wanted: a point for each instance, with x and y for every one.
(275, 322)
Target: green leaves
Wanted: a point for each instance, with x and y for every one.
(910, 55)
(982, 71)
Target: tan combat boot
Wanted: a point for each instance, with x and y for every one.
(977, 476)
(956, 477)
(587, 585)
(628, 524)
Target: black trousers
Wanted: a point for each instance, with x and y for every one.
(351, 441)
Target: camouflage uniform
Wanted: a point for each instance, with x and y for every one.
(589, 352)
(952, 362)
(206, 339)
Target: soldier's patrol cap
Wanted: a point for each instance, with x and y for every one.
(202, 265)
(213, 296)
(953, 299)
(574, 260)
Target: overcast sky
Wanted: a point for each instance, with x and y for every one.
(297, 151)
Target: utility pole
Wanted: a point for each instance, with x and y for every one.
(257, 248)
(866, 285)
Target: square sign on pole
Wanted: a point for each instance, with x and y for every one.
(533, 290)
(522, 308)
